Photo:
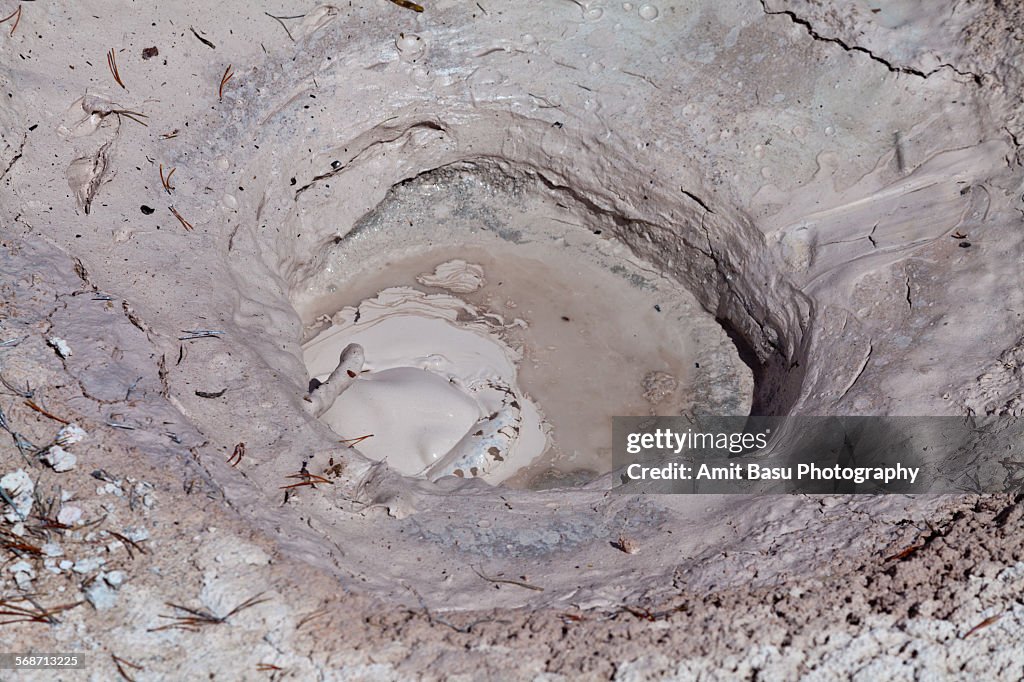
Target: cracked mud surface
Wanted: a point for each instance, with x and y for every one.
(800, 168)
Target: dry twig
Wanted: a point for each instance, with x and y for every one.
(133, 115)
(352, 442)
(983, 624)
(309, 617)
(408, 5)
(507, 581)
(120, 663)
(280, 20)
(197, 618)
(16, 15)
(904, 553)
(112, 65)
(166, 181)
(184, 223)
(45, 413)
(203, 40)
(236, 457)
(228, 74)
(307, 479)
(128, 544)
(36, 614)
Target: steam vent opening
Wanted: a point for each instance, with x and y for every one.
(314, 320)
(500, 332)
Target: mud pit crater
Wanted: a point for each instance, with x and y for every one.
(701, 265)
(583, 330)
(784, 209)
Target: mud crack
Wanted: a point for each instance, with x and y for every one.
(977, 79)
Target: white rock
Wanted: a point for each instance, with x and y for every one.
(66, 564)
(19, 487)
(60, 345)
(22, 567)
(114, 578)
(60, 459)
(69, 515)
(136, 534)
(88, 565)
(23, 573)
(52, 549)
(100, 595)
(70, 434)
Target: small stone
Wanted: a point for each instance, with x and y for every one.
(69, 515)
(59, 345)
(52, 549)
(150, 52)
(100, 595)
(22, 567)
(136, 534)
(19, 487)
(626, 544)
(59, 459)
(147, 210)
(70, 434)
(23, 574)
(114, 578)
(66, 564)
(88, 565)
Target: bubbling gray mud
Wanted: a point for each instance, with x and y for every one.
(594, 331)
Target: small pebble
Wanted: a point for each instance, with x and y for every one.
(100, 595)
(59, 459)
(626, 544)
(19, 488)
(59, 345)
(70, 434)
(21, 567)
(88, 565)
(69, 515)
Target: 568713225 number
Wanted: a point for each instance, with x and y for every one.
(9, 661)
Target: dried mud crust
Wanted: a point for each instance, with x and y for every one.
(948, 605)
(911, 609)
